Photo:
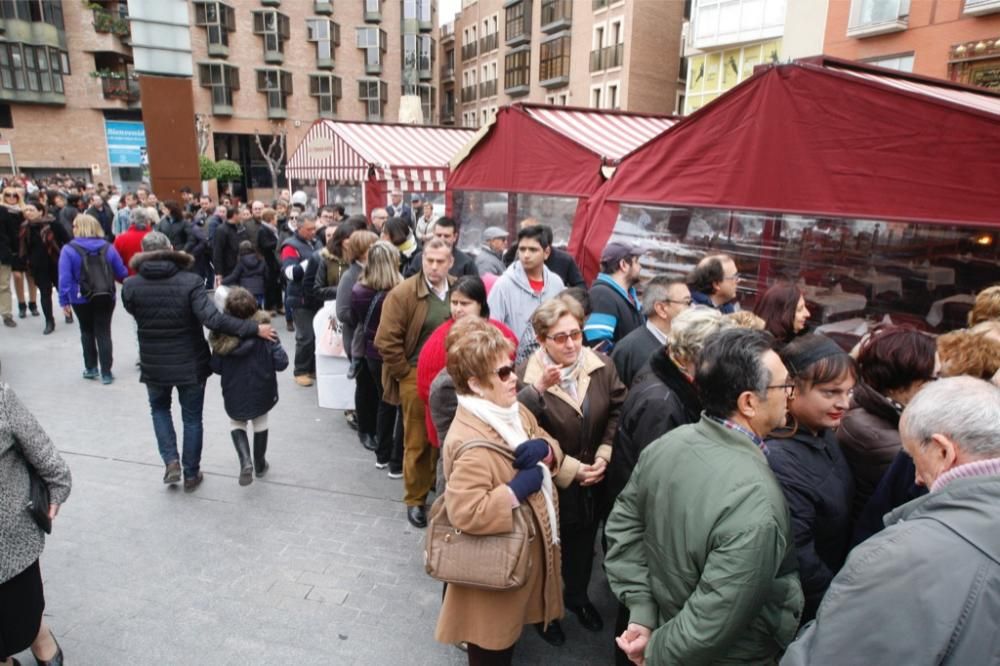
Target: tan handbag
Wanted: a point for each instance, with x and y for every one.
(488, 562)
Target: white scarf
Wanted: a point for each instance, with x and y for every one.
(507, 422)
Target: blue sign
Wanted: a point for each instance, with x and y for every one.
(126, 143)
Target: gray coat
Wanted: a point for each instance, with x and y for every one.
(488, 261)
(923, 591)
(22, 439)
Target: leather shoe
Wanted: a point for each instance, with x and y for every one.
(553, 635)
(191, 484)
(588, 617)
(368, 442)
(417, 516)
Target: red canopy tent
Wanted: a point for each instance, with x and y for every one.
(550, 150)
(819, 137)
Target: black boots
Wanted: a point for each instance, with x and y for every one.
(242, 445)
(259, 450)
(34, 308)
(22, 310)
(50, 325)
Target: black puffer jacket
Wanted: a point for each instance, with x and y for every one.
(170, 306)
(179, 232)
(247, 368)
(249, 274)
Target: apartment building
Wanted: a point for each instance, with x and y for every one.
(607, 54)
(948, 39)
(69, 89)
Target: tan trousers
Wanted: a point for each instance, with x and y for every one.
(419, 457)
(6, 306)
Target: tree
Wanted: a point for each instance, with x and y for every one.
(274, 155)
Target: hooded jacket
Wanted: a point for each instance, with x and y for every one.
(925, 590)
(249, 274)
(171, 308)
(248, 370)
(512, 301)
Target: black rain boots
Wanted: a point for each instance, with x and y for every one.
(242, 444)
(259, 450)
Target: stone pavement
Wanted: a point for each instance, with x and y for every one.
(316, 564)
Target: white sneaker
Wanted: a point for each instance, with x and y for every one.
(395, 475)
(379, 465)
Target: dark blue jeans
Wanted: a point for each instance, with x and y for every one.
(192, 400)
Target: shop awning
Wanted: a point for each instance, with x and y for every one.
(414, 158)
(821, 137)
(551, 150)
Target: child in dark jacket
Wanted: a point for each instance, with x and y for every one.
(248, 368)
(249, 273)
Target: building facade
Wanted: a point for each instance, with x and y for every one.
(607, 54)
(947, 39)
(67, 76)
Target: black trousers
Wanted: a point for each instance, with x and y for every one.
(305, 342)
(272, 288)
(366, 401)
(577, 561)
(43, 280)
(95, 333)
(385, 422)
(482, 657)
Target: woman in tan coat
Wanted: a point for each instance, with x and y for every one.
(484, 488)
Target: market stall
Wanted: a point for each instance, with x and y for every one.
(539, 161)
(858, 181)
(358, 164)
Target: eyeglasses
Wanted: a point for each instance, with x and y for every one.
(734, 276)
(505, 372)
(686, 302)
(9, 194)
(789, 389)
(561, 338)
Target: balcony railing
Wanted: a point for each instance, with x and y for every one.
(116, 24)
(556, 15)
(600, 4)
(469, 50)
(606, 58)
(489, 42)
(126, 89)
(447, 73)
(877, 17)
(981, 7)
(447, 115)
(469, 93)
(488, 89)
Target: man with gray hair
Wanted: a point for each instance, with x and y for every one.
(171, 310)
(665, 297)
(927, 588)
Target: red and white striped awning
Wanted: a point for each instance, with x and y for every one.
(608, 134)
(968, 98)
(413, 158)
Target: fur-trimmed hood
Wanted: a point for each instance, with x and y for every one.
(223, 344)
(182, 260)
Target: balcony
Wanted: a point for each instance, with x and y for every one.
(113, 23)
(323, 7)
(878, 17)
(469, 51)
(448, 115)
(469, 93)
(600, 4)
(446, 34)
(556, 15)
(447, 74)
(126, 90)
(981, 7)
(489, 42)
(488, 89)
(606, 58)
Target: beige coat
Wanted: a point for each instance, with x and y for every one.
(479, 502)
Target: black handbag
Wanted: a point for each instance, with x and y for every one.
(38, 506)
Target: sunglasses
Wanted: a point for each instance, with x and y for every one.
(561, 338)
(505, 372)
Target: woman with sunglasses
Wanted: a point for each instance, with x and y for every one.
(484, 489)
(11, 219)
(576, 395)
(808, 463)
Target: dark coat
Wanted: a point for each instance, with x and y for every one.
(226, 247)
(632, 353)
(249, 274)
(179, 233)
(67, 214)
(267, 245)
(613, 315)
(10, 227)
(820, 489)
(661, 398)
(171, 308)
(897, 487)
(300, 292)
(463, 265)
(106, 219)
(248, 370)
(42, 241)
(869, 438)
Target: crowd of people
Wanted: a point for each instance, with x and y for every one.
(756, 491)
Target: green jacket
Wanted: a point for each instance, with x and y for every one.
(700, 550)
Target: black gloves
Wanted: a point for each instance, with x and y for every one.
(530, 453)
(526, 482)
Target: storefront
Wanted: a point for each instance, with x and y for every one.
(358, 165)
(875, 191)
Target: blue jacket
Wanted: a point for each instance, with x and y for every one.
(700, 298)
(615, 313)
(70, 263)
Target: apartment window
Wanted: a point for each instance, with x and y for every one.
(326, 35)
(222, 79)
(903, 63)
(374, 93)
(556, 14)
(553, 63)
(877, 17)
(613, 96)
(517, 69)
(518, 22)
(218, 19)
(327, 91)
(428, 96)
(417, 10)
(373, 41)
(373, 10)
(274, 27)
(276, 84)
(425, 61)
(35, 11)
(595, 98)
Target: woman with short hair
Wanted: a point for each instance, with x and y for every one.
(485, 488)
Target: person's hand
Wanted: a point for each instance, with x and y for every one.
(68, 310)
(633, 643)
(53, 510)
(267, 332)
(530, 453)
(526, 482)
(550, 377)
(595, 473)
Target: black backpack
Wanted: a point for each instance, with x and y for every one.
(97, 283)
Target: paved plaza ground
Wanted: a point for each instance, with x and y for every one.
(316, 564)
